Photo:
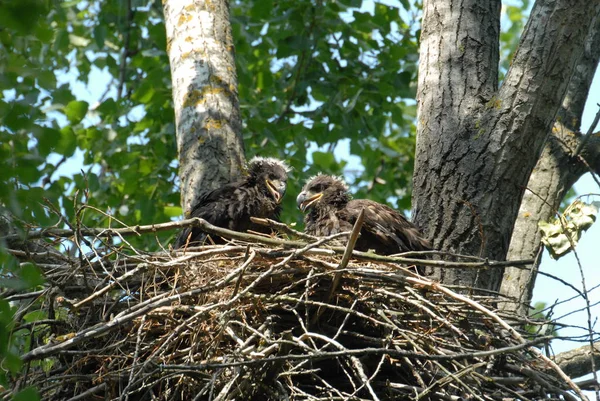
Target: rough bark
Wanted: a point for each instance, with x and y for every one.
(578, 362)
(476, 147)
(207, 114)
(554, 174)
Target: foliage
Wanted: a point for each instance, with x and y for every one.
(544, 325)
(513, 22)
(49, 127)
(331, 74)
(86, 114)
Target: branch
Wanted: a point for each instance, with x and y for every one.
(578, 362)
(502, 323)
(347, 252)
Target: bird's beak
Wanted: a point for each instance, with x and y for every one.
(276, 188)
(304, 203)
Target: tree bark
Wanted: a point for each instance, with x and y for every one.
(207, 115)
(477, 146)
(578, 362)
(554, 174)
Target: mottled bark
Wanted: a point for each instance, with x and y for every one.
(207, 114)
(554, 174)
(476, 147)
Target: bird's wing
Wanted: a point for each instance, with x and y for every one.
(387, 227)
(217, 208)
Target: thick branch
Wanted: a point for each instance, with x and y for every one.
(472, 165)
(555, 173)
(578, 362)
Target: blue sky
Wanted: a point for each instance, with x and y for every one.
(567, 268)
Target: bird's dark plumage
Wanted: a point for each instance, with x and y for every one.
(232, 205)
(330, 209)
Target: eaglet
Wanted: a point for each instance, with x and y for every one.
(329, 209)
(259, 194)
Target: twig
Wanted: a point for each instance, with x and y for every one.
(223, 232)
(347, 352)
(246, 263)
(104, 290)
(141, 309)
(505, 325)
(284, 228)
(347, 252)
(85, 395)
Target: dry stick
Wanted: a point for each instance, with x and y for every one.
(284, 228)
(126, 316)
(584, 292)
(347, 253)
(442, 367)
(503, 387)
(355, 361)
(345, 259)
(87, 393)
(453, 376)
(415, 389)
(141, 267)
(136, 355)
(502, 323)
(223, 232)
(535, 376)
(243, 267)
(425, 309)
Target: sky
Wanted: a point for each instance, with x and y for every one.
(550, 291)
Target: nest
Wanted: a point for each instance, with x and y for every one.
(260, 322)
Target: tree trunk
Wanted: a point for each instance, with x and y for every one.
(207, 115)
(477, 146)
(555, 173)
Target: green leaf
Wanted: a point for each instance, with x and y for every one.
(323, 161)
(100, 32)
(31, 275)
(261, 9)
(144, 93)
(22, 15)
(27, 170)
(67, 142)
(173, 211)
(47, 140)
(27, 394)
(76, 111)
(12, 363)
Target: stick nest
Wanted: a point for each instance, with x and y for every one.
(256, 322)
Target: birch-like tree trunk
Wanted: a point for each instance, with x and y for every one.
(207, 115)
(477, 145)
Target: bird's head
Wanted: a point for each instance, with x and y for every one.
(323, 190)
(270, 173)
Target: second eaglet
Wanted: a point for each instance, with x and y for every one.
(329, 210)
(259, 194)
